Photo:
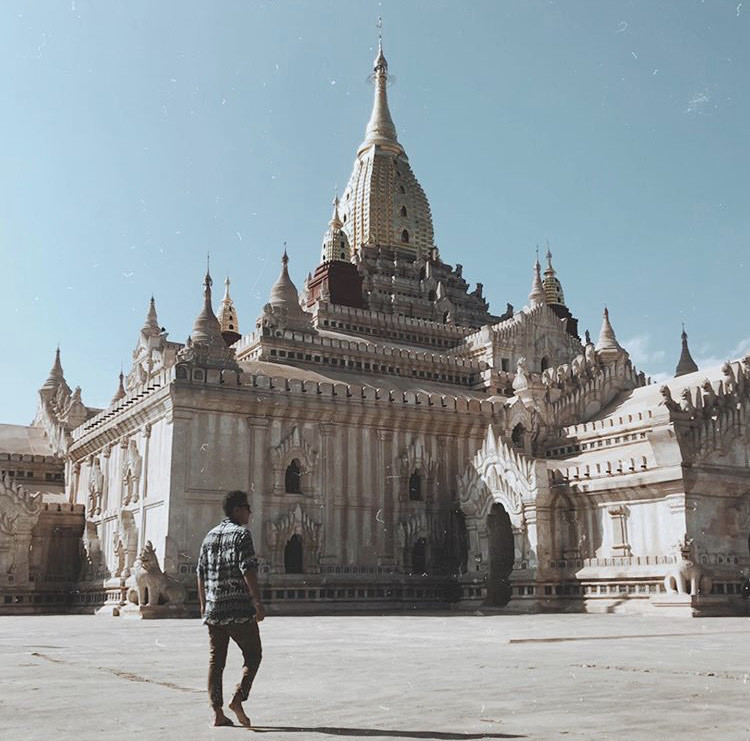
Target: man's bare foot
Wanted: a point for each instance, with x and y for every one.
(236, 707)
(220, 719)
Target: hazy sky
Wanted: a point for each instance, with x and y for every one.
(136, 136)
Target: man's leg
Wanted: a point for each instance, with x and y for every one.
(218, 642)
(247, 637)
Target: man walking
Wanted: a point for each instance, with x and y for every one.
(230, 603)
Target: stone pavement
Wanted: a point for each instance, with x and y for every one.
(384, 677)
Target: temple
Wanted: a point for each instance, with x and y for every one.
(403, 445)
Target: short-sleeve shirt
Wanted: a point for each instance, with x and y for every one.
(226, 555)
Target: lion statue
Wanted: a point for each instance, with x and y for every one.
(686, 573)
(149, 585)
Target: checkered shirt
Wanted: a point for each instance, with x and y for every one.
(227, 553)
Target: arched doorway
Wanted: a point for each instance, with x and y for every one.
(293, 478)
(419, 557)
(415, 487)
(293, 555)
(518, 436)
(501, 553)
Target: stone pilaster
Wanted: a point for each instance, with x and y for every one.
(328, 493)
(386, 519)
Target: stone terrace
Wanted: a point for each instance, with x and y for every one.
(384, 677)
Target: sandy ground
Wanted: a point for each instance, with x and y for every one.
(391, 677)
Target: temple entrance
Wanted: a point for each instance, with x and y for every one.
(501, 553)
(293, 555)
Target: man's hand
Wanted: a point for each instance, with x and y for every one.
(260, 612)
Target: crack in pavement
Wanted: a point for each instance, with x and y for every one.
(738, 677)
(130, 676)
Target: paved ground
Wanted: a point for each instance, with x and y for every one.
(393, 677)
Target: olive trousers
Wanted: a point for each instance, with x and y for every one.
(247, 637)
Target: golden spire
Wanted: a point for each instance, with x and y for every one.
(380, 129)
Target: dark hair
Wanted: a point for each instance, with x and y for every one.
(234, 499)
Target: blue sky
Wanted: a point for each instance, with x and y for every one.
(137, 136)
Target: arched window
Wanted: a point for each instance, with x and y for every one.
(415, 487)
(405, 236)
(294, 555)
(431, 296)
(419, 557)
(293, 478)
(401, 189)
(545, 364)
(403, 210)
(518, 436)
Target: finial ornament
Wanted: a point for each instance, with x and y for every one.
(285, 257)
(608, 347)
(536, 297)
(209, 281)
(686, 364)
(380, 29)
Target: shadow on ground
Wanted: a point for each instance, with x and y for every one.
(447, 735)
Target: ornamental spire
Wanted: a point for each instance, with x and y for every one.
(335, 221)
(206, 345)
(151, 324)
(335, 241)
(536, 297)
(686, 363)
(228, 313)
(380, 129)
(553, 291)
(206, 327)
(608, 346)
(56, 375)
(120, 393)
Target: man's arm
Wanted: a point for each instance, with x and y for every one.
(248, 565)
(251, 579)
(202, 595)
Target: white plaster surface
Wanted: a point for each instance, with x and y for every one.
(391, 677)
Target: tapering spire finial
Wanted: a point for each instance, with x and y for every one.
(285, 257)
(120, 393)
(608, 347)
(335, 221)
(381, 130)
(686, 364)
(536, 297)
(227, 316)
(552, 287)
(208, 281)
(56, 376)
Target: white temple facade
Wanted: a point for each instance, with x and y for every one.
(404, 446)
